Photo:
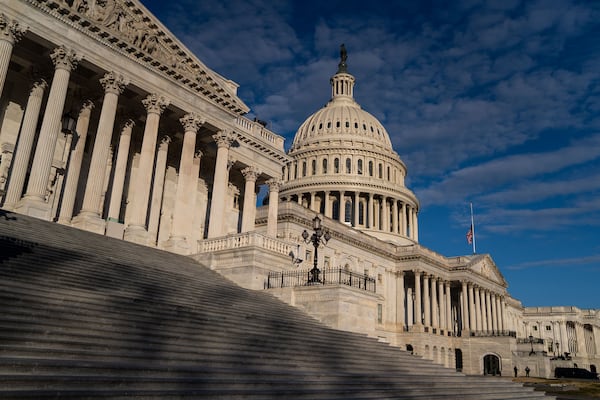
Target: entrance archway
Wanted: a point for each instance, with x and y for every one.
(458, 359)
(491, 365)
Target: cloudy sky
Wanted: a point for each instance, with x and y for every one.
(491, 102)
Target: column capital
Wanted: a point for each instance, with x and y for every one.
(11, 30)
(126, 126)
(274, 184)
(38, 87)
(164, 143)
(86, 106)
(155, 104)
(113, 82)
(399, 273)
(65, 58)
(224, 138)
(251, 173)
(192, 122)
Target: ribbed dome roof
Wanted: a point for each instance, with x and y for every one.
(342, 118)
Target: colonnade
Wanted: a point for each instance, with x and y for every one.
(141, 187)
(573, 337)
(429, 303)
(364, 210)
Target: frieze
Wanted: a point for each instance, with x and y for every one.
(127, 28)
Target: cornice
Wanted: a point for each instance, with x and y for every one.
(130, 30)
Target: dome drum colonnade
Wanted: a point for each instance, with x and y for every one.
(132, 186)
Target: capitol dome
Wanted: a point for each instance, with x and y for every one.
(344, 167)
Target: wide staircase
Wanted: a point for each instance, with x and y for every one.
(84, 316)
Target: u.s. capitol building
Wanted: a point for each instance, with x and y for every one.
(108, 123)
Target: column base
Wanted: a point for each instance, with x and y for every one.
(34, 207)
(90, 222)
(114, 229)
(177, 245)
(136, 234)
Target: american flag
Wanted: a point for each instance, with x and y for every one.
(470, 235)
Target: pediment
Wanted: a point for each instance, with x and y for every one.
(130, 29)
(484, 265)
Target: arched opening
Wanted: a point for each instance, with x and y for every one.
(458, 359)
(409, 348)
(335, 210)
(348, 211)
(491, 365)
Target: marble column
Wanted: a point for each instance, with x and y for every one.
(76, 158)
(449, 322)
(498, 314)
(488, 310)
(416, 226)
(187, 184)
(33, 203)
(342, 213)
(370, 206)
(116, 197)
(494, 324)
(434, 303)
(472, 312)
(158, 185)
(327, 204)
(251, 174)
(442, 305)
(312, 204)
(465, 308)
(403, 219)
(478, 309)
(395, 216)
(274, 185)
(136, 231)
(356, 220)
(400, 307)
(426, 300)
(89, 218)
(216, 220)
(22, 152)
(505, 323)
(418, 312)
(10, 33)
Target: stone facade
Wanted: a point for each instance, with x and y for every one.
(161, 154)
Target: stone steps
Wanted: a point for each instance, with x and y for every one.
(83, 316)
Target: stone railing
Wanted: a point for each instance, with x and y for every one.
(257, 130)
(240, 240)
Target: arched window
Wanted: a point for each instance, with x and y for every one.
(348, 165)
(303, 168)
(313, 167)
(380, 171)
(360, 167)
(361, 213)
(370, 168)
(337, 124)
(328, 124)
(295, 171)
(324, 166)
(388, 173)
(335, 210)
(348, 211)
(336, 165)
(347, 124)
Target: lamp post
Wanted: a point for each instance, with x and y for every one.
(319, 236)
(531, 342)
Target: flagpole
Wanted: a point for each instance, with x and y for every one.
(473, 228)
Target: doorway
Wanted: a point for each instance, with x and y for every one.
(491, 365)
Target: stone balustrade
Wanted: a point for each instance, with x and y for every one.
(244, 240)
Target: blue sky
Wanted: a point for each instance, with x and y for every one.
(491, 102)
